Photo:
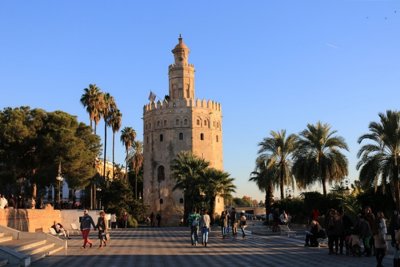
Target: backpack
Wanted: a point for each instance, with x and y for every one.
(195, 222)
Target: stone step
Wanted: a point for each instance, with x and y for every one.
(50, 251)
(4, 239)
(30, 245)
(1, 234)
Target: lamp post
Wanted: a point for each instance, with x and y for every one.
(98, 189)
(59, 178)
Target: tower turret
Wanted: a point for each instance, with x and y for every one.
(181, 73)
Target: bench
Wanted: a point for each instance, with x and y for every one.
(285, 230)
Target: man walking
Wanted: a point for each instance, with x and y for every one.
(86, 222)
(194, 221)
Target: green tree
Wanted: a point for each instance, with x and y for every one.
(216, 183)
(187, 170)
(318, 156)
(379, 159)
(279, 148)
(128, 136)
(34, 142)
(265, 177)
(91, 99)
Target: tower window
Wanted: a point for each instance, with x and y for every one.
(160, 173)
(217, 138)
(180, 136)
(147, 139)
(198, 122)
(185, 121)
(161, 137)
(177, 122)
(205, 123)
(201, 136)
(165, 122)
(158, 123)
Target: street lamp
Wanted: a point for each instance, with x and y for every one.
(98, 189)
(59, 178)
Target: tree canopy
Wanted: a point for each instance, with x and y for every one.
(33, 142)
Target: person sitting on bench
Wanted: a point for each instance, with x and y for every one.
(315, 232)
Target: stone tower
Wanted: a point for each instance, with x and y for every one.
(178, 123)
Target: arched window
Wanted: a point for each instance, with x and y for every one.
(158, 123)
(161, 137)
(180, 136)
(177, 122)
(198, 122)
(165, 122)
(205, 122)
(217, 138)
(185, 122)
(160, 174)
(201, 136)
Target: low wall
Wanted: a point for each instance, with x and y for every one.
(29, 220)
(40, 220)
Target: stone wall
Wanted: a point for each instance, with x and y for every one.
(40, 220)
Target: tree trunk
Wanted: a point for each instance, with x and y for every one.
(282, 184)
(396, 187)
(105, 150)
(323, 186)
(113, 156)
(212, 209)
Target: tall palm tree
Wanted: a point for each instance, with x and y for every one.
(279, 148)
(379, 160)
(265, 177)
(136, 160)
(318, 156)
(108, 108)
(115, 122)
(216, 183)
(91, 99)
(128, 136)
(187, 170)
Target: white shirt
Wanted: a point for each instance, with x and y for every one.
(3, 202)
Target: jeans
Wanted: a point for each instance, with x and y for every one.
(194, 234)
(204, 232)
(224, 230)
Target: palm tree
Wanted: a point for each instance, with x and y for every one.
(279, 148)
(216, 183)
(108, 108)
(318, 156)
(91, 99)
(128, 136)
(379, 160)
(265, 177)
(136, 160)
(115, 122)
(187, 170)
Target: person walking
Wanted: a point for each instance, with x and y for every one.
(205, 227)
(102, 227)
(224, 223)
(243, 223)
(194, 222)
(379, 238)
(86, 222)
(233, 222)
(158, 218)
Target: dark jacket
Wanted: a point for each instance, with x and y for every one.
(86, 222)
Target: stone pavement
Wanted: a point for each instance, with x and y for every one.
(155, 247)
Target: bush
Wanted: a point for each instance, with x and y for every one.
(132, 222)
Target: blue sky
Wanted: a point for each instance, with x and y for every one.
(272, 64)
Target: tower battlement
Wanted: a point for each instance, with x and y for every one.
(183, 103)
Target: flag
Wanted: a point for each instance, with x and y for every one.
(152, 96)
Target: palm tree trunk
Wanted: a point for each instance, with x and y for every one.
(113, 150)
(105, 150)
(396, 187)
(212, 208)
(126, 165)
(282, 185)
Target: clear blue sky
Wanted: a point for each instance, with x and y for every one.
(272, 64)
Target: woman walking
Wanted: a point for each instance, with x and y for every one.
(86, 222)
(205, 227)
(102, 226)
(379, 239)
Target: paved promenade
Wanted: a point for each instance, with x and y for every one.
(155, 247)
